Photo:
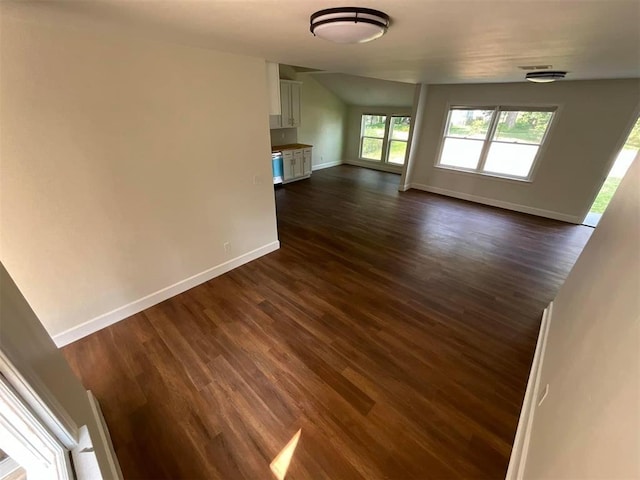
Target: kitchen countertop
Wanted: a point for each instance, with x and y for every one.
(289, 146)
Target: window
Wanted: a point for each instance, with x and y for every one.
(501, 141)
(384, 138)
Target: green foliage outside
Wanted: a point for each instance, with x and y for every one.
(374, 126)
(634, 137)
(606, 192)
(513, 126)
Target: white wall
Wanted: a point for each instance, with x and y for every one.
(352, 142)
(587, 130)
(126, 165)
(323, 118)
(589, 424)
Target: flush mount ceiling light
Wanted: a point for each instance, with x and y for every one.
(545, 76)
(349, 24)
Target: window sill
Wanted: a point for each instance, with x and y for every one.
(494, 176)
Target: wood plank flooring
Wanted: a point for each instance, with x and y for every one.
(395, 329)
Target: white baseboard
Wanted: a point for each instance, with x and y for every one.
(120, 313)
(499, 203)
(518, 460)
(375, 166)
(320, 166)
(404, 188)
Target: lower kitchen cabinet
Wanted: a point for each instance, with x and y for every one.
(296, 164)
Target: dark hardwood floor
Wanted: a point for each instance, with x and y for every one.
(395, 329)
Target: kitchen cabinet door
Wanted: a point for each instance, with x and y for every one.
(307, 161)
(285, 105)
(295, 92)
(298, 157)
(288, 168)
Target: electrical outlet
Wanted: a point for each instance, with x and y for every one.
(257, 180)
(227, 247)
(282, 134)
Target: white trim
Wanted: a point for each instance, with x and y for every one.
(383, 167)
(125, 311)
(27, 441)
(499, 203)
(105, 438)
(320, 166)
(489, 138)
(7, 467)
(45, 405)
(518, 460)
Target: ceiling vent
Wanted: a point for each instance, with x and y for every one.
(535, 67)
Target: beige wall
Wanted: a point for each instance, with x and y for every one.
(590, 123)
(352, 142)
(589, 424)
(126, 165)
(30, 349)
(323, 118)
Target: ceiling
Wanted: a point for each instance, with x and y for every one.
(367, 92)
(432, 41)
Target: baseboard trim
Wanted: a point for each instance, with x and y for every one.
(375, 166)
(499, 203)
(518, 460)
(320, 166)
(125, 311)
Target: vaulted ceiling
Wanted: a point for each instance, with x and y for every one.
(433, 41)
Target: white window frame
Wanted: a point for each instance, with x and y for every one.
(28, 442)
(386, 140)
(493, 125)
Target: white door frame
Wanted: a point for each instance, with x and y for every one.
(26, 440)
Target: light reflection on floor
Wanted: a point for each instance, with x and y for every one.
(281, 462)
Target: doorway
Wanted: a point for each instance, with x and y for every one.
(629, 152)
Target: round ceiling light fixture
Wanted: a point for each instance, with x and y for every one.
(545, 76)
(349, 24)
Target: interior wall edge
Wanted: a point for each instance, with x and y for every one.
(109, 318)
(518, 459)
(516, 207)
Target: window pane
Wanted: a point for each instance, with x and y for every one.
(397, 150)
(469, 123)
(400, 128)
(373, 126)
(510, 159)
(458, 152)
(527, 127)
(371, 148)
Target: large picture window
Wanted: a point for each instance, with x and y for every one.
(384, 138)
(501, 141)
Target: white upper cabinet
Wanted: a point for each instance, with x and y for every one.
(290, 93)
(294, 104)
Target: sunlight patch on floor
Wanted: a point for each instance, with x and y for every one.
(281, 462)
